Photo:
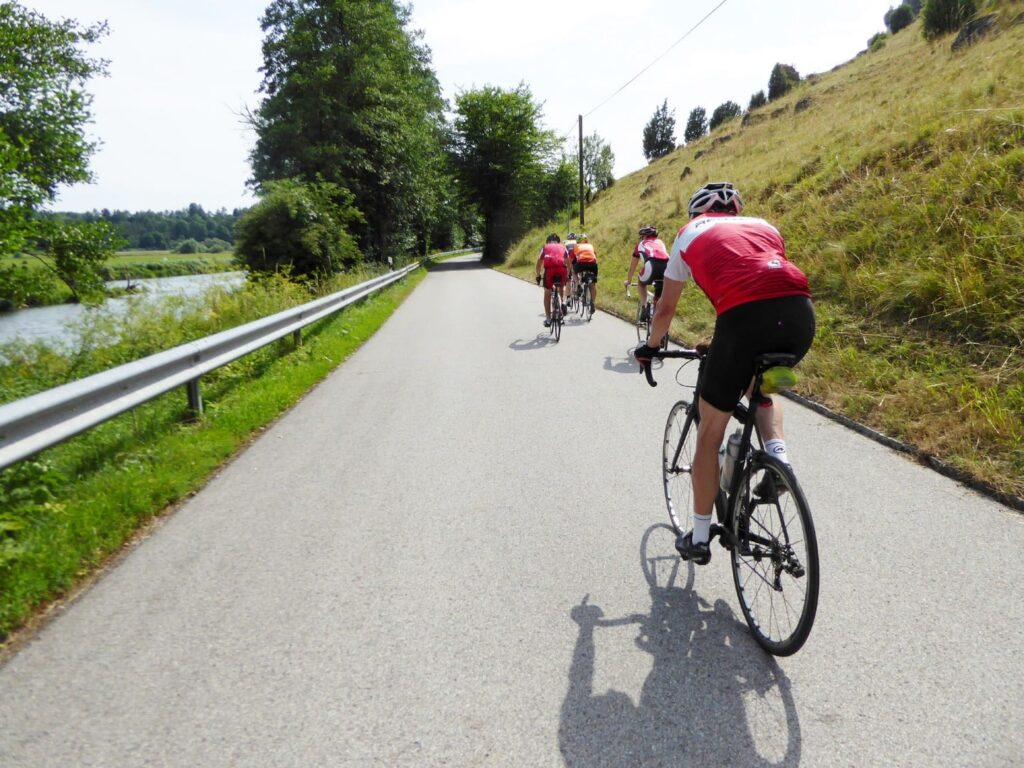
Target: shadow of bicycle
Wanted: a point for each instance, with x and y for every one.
(540, 342)
(712, 696)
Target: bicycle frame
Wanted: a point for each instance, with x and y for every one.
(725, 502)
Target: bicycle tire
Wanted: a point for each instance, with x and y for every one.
(556, 324)
(775, 564)
(677, 464)
(641, 334)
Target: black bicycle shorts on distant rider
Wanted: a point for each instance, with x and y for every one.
(744, 332)
(653, 272)
(586, 268)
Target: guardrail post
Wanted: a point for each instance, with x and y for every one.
(195, 400)
(297, 337)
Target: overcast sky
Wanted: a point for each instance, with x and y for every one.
(182, 71)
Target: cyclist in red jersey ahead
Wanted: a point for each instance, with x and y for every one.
(763, 304)
(652, 250)
(586, 263)
(553, 262)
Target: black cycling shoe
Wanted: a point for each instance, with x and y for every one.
(767, 489)
(698, 554)
(547, 323)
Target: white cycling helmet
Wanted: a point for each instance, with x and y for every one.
(720, 195)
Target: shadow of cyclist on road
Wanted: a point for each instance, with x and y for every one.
(524, 345)
(712, 697)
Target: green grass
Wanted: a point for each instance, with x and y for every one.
(69, 509)
(900, 191)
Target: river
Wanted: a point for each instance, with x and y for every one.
(54, 324)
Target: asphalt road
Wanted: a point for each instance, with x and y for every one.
(435, 559)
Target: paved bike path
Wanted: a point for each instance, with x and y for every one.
(435, 559)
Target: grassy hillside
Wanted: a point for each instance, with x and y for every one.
(897, 180)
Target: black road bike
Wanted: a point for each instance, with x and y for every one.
(645, 314)
(763, 516)
(556, 309)
(584, 304)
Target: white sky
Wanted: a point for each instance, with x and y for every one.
(181, 72)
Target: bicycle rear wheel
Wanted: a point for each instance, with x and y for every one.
(641, 326)
(775, 564)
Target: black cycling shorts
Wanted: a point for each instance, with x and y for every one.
(653, 272)
(744, 332)
(586, 267)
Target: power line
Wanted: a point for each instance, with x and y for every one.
(663, 55)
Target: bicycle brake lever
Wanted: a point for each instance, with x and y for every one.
(650, 374)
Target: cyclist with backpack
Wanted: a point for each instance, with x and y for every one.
(586, 263)
(763, 304)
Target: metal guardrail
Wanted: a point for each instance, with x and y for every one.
(31, 424)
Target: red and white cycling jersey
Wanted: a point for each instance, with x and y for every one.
(553, 255)
(734, 260)
(651, 248)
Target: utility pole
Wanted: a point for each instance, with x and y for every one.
(582, 220)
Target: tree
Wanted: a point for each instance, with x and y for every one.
(757, 100)
(598, 164)
(781, 81)
(349, 98)
(503, 159)
(74, 253)
(660, 133)
(299, 226)
(725, 111)
(43, 112)
(941, 16)
(696, 124)
(899, 18)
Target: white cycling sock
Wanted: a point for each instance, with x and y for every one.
(777, 448)
(701, 529)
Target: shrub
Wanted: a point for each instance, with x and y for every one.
(877, 41)
(782, 80)
(299, 226)
(939, 17)
(899, 18)
(189, 246)
(216, 245)
(757, 100)
(723, 112)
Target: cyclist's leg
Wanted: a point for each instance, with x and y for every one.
(593, 286)
(547, 303)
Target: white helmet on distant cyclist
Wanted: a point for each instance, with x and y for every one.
(719, 196)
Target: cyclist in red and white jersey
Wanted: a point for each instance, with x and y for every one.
(763, 305)
(652, 250)
(553, 262)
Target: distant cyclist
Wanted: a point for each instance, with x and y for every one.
(586, 264)
(552, 263)
(763, 305)
(652, 250)
(570, 247)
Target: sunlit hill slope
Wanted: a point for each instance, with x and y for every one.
(897, 180)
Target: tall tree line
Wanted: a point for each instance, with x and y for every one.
(349, 98)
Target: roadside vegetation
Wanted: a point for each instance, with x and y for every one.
(897, 180)
(67, 510)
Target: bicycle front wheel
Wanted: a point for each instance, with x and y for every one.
(775, 563)
(641, 326)
(677, 464)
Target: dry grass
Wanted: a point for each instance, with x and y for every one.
(900, 191)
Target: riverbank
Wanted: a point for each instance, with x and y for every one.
(26, 282)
